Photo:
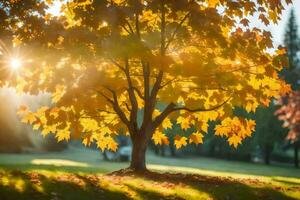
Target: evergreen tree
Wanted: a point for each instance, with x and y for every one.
(268, 130)
(292, 42)
(292, 75)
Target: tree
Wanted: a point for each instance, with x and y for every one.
(292, 42)
(268, 131)
(289, 112)
(104, 62)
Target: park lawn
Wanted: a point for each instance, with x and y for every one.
(83, 175)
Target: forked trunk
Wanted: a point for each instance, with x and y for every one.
(138, 155)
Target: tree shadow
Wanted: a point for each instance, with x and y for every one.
(219, 188)
(66, 186)
(150, 195)
(287, 182)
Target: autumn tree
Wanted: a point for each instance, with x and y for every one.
(289, 112)
(109, 63)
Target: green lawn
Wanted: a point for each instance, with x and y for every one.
(82, 174)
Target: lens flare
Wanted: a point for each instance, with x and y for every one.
(15, 63)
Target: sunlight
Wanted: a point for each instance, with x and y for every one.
(55, 8)
(58, 162)
(15, 63)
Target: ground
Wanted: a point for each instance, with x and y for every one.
(82, 174)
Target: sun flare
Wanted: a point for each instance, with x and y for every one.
(15, 63)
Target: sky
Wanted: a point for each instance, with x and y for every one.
(279, 29)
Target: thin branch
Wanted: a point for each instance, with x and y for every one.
(126, 29)
(137, 26)
(177, 29)
(127, 107)
(117, 108)
(117, 64)
(132, 97)
(106, 97)
(139, 93)
(167, 83)
(203, 109)
(130, 27)
(172, 108)
(160, 118)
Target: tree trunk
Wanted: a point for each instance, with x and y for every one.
(267, 155)
(172, 149)
(138, 155)
(156, 150)
(296, 157)
(162, 149)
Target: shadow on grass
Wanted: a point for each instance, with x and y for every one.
(18, 185)
(218, 188)
(51, 167)
(287, 182)
(40, 187)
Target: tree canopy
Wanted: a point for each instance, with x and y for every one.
(108, 63)
(289, 112)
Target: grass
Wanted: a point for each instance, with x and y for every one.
(82, 174)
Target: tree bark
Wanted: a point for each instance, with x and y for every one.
(172, 149)
(138, 155)
(296, 157)
(267, 155)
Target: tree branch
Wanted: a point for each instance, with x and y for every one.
(167, 83)
(117, 64)
(203, 109)
(137, 26)
(139, 93)
(176, 29)
(117, 107)
(172, 108)
(132, 97)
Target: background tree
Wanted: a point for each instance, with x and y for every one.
(292, 43)
(269, 131)
(289, 112)
(106, 61)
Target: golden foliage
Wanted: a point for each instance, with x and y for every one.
(115, 67)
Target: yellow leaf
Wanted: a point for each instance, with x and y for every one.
(196, 138)
(63, 135)
(101, 143)
(180, 141)
(167, 123)
(213, 3)
(234, 140)
(54, 112)
(159, 138)
(29, 118)
(184, 122)
(204, 127)
(48, 129)
(36, 126)
(87, 140)
(59, 92)
(112, 144)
